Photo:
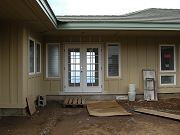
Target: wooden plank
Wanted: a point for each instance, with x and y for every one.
(158, 113)
(79, 101)
(83, 101)
(70, 100)
(75, 101)
(66, 101)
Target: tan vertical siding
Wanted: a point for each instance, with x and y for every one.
(10, 66)
(1, 45)
(137, 53)
(141, 62)
(5, 69)
(34, 82)
(14, 87)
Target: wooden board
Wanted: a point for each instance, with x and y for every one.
(74, 101)
(158, 113)
(106, 108)
(31, 105)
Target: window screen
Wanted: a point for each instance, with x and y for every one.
(38, 57)
(167, 58)
(31, 56)
(113, 60)
(53, 60)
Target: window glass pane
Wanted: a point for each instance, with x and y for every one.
(113, 60)
(167, 58)
(31, 56)
(74, 67)
(92, 67)
(38, 57)
(53, 60)
(167, 79)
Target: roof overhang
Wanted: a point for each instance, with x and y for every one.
(35, 14)
(118, 26)
(48, 11)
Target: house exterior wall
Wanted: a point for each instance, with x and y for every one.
(15, 82)
(11, 41)
(137, 53)
(34, 82)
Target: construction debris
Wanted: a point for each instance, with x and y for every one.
(158, 113)
(75, 101)
(31, 105)
(106, 108)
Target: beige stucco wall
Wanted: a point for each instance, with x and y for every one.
(137, 53)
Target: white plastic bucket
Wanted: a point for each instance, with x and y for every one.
(132, 87)
(131, 96)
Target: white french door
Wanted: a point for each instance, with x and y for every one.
(83, 71)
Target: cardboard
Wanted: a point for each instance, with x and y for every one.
(106, 108)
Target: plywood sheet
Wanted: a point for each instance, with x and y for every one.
(106, 108)
(158, 113)
(31, 105)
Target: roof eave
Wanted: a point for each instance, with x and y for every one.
(118, 26)
(48, 11)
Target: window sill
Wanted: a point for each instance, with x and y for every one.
(34, 75)
(113, 78)
(52, 79)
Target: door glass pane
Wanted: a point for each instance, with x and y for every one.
(92, 78)
(74, 67)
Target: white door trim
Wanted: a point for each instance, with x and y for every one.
(83, 87)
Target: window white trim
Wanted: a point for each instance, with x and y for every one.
(168, 84)
(31, 39)
(40, 66)
(107, 72)
(47, 44)
(174, 58)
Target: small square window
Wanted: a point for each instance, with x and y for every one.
(168, 79)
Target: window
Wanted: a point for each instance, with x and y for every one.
(38, 57)
(113, 68)
(31, 56)
(167, 58)
(53, 60)
(169, 79)
(167, 65)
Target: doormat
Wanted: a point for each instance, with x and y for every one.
(106, 108)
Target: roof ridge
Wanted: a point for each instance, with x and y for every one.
(138, 11)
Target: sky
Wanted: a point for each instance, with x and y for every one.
(108, 7)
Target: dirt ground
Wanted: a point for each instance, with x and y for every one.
(56, 120)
